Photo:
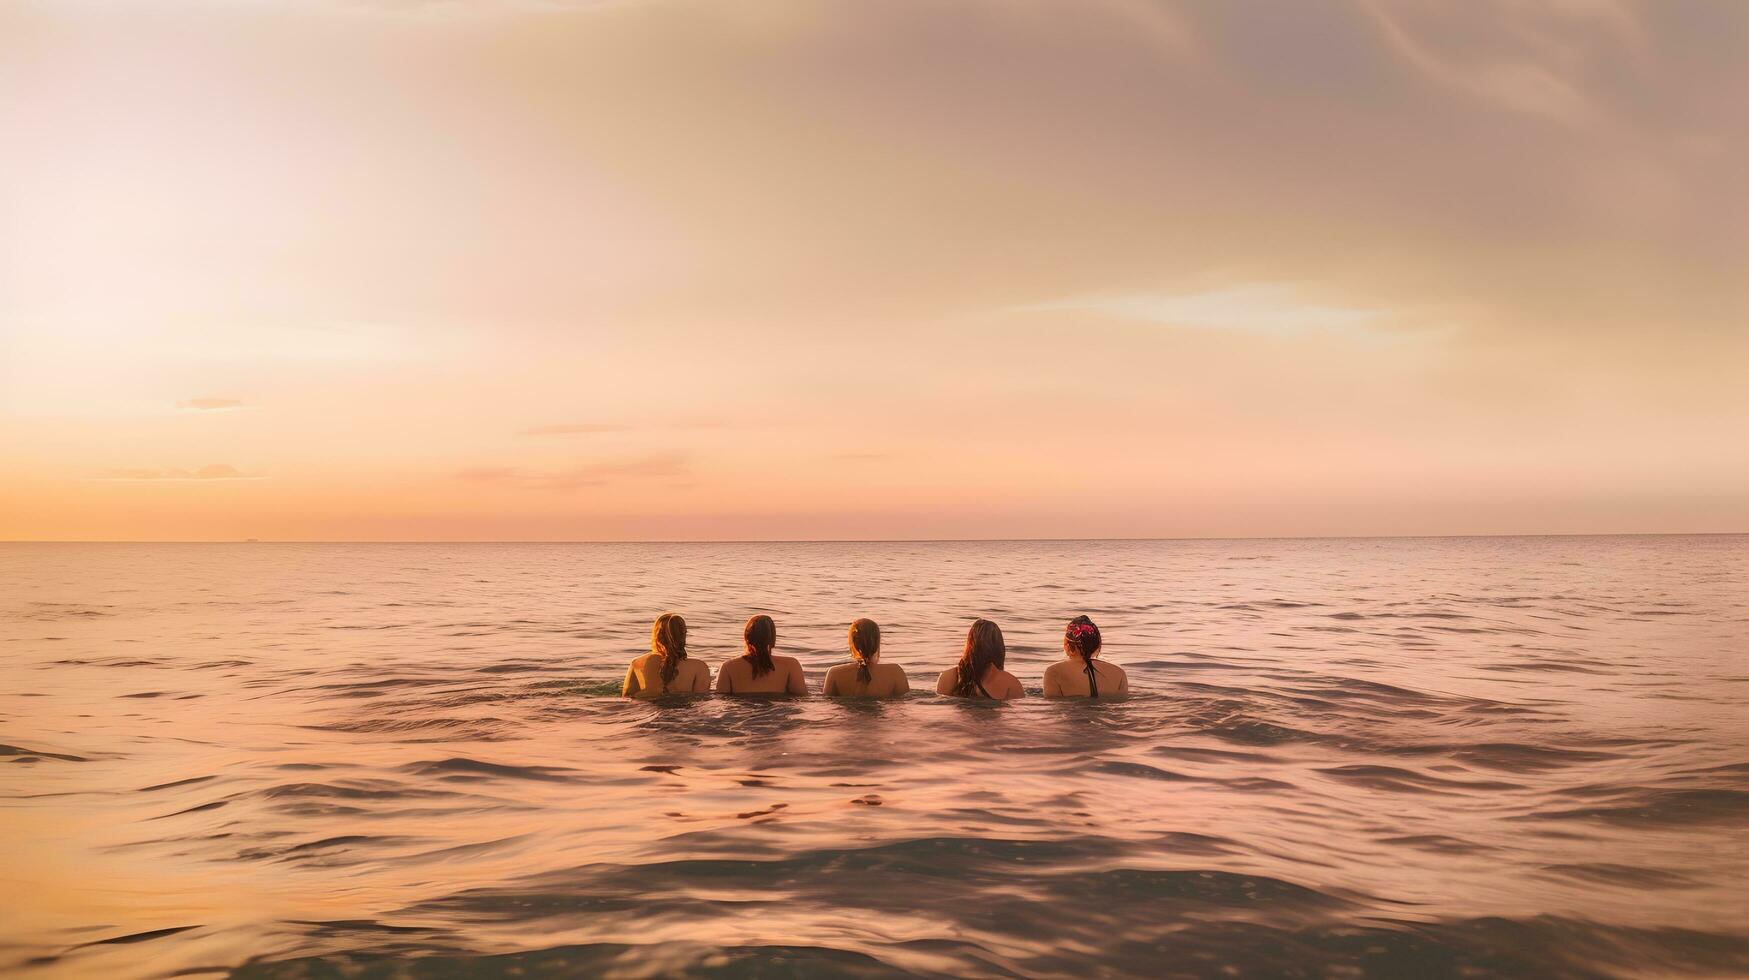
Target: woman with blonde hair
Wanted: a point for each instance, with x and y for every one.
(865, 676)
(1078, 675)
(666, 669)
(979, 673)
(758, 671)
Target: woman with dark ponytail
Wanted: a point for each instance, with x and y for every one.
(1078, 675)
(979, 673)
(666, 668)
(758, 671)
(865, 676)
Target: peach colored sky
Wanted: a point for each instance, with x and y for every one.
(917, 268)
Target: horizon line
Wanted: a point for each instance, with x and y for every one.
(992, 540)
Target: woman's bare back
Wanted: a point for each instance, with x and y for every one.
(887, 681)
(644, 678)
(997, 683)
(1068, 679)
(735, 676)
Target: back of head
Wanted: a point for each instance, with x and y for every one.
(985, 648)
(761, 636)
(1081, 637)
(865, 645)
(668, 638)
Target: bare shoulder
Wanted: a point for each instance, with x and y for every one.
(894, 671)
(948, 680)
(1015, 688)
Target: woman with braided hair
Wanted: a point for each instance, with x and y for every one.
(1078, 674)
(666, 669)
(865, 676)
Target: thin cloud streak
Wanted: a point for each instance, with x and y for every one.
(1266, 308)
(601, 473)
(217, 471)
(573, 430)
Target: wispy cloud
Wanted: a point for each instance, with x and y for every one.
(211, 404)
(601, 474)
(217, 471)
(577, 429)
(665, 467)
(1258, 307)
(486, 474)
(599, 428)
(1540, 59)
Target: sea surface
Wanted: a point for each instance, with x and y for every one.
(1364, 757)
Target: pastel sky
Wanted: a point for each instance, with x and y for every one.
(692, 269)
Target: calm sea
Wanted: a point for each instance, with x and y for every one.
(1429, 757)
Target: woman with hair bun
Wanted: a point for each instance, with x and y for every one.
(666, 669)
(979, 673)
(865, 676)
(758, 671)
(1078, 674)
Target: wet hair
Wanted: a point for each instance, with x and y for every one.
(985, 648)
(761, 636)
(1082, 637)
(668, 638)
(865, 645)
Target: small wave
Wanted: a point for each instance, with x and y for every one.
(172, 785)
(460, 768)
(1524, 758)
(600, 959)
(1439, 844)
(140, 937)
(1397, 780)
(1140, 770)
(1621, 875)
(318, 848)
(1661, 808)
(374, 790)
(24, 753)
(52, 611)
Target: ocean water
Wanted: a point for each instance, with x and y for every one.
(1424, 757)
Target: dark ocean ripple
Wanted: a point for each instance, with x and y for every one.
(1407, 757)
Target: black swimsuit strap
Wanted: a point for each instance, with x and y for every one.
(984, 692)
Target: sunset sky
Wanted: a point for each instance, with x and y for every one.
(684, 269)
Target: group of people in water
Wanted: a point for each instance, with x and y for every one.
(980, 673)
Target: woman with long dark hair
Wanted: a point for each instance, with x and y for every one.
(979, 673)
(866, 675)
(759, 671)
(1078, 674)
(666, 669)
